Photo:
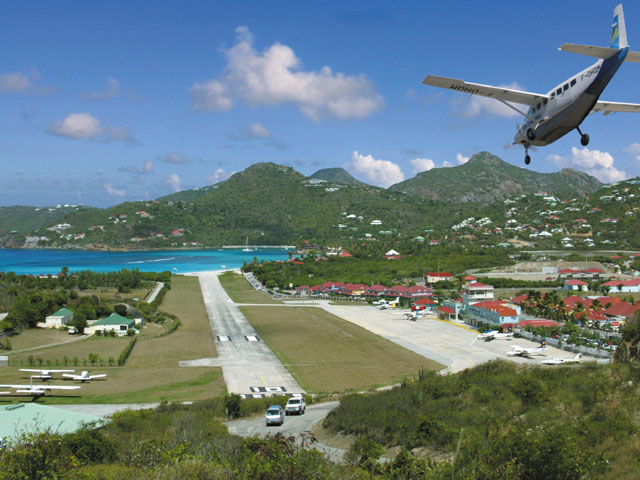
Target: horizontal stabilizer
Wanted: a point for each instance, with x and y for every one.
(598, 52)
(589, 50)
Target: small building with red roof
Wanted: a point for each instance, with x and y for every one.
(434, 277)
(576, 285)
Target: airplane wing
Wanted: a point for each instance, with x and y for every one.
(611, 107)
(42, 387)
(499, 93)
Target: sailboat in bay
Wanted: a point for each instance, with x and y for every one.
(246, 246)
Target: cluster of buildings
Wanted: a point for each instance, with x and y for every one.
(113, 323)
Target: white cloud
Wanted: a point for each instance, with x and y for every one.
(23, 82)
(259, 131)
(175, 159)
(114, 192)
(218, 176)
(17, 82)
(475, 105)
(274, 76)
(174, 181)
(147, 167)
(422, 165)
(78, 126)
(462, 159)
(377, 172)
(446, 164)
(252, 132)
(594, 162)
(634, 149)
(84, 126)
(111, 90)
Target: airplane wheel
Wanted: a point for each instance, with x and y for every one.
(584, 139)
(531, 134)
(527, 160)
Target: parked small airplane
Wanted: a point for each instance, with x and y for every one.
(493, 335)
(385, 305)
(560, 361)
(562, 109)
(518, 351)
(84, 376)
(38, 390)
(412, 315)
(43, 374)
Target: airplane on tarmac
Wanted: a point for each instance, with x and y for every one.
(563, 361)
(413, 315)
(554, 114)
(43, 374)
(493, 335)
(518, 351)
(38, 390)
(84, 376)
(385, 305)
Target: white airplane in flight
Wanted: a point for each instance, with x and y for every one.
(493, 335)
(84, 376)
(43, 374)
(554, 114)
(38, 390)
(518, 351)
(560, 361)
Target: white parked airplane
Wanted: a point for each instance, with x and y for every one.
(518, 351)
(84, 376)
(563, 108)
(38, 390)
(560, 361)
(385, 305)
(43, 374)
(493, 335)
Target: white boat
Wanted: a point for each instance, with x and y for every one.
(246, 246)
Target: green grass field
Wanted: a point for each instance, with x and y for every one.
(328, 354)
(152, 373)
(241, 291)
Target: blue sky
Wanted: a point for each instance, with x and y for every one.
(115, 101)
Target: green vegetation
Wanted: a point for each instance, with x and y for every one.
(486, 178)
(369, 266)
(335, 175)
(241, 291)
(325, 353)
(500, 420)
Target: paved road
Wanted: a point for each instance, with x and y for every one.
(74, 339)
(293, 425)
(249, 366)
(155, 292)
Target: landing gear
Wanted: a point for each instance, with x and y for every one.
(584, 138)
(527, 159)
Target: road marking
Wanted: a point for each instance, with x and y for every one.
(263, 381)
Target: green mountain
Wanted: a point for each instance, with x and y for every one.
(335, 175)
(23, 219)
(486, 178)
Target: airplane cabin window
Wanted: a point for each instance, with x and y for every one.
(544, 101)
(538, 106)
(573, 82)
(553, 94)
(566, 86)
(559, 91)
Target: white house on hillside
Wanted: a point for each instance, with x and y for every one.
(59, 319)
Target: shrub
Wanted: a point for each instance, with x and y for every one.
(122, 359)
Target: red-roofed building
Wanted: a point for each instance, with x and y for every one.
(519, 299)
(494, 312)
(624, 286)
(345, 255)
(446, 313)
(435, 277)
(477, 292)
(539, 323)
(575, 284)
(621, 311)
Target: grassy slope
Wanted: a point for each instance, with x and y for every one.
(327, 354)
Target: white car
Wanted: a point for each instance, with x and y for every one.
(274, 415)
(295, 404)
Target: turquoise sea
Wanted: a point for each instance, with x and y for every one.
(177, 261)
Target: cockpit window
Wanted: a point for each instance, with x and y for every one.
(538, 106)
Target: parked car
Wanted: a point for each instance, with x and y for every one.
(274, 415)
(296, 404)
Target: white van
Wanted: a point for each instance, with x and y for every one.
(274, 415)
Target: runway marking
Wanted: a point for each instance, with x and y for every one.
(223, 338)
(268, 389)
(263, 381)
(251, 338)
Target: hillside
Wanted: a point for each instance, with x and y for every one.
(24, 219)
(335, 175)
(486, 178)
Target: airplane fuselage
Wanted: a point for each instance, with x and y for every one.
(569, 103)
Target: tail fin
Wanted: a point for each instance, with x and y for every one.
(577, 357)
(543, 344)
(618, 31)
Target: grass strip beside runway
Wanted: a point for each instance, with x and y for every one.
(325, 353)
(241, 291)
